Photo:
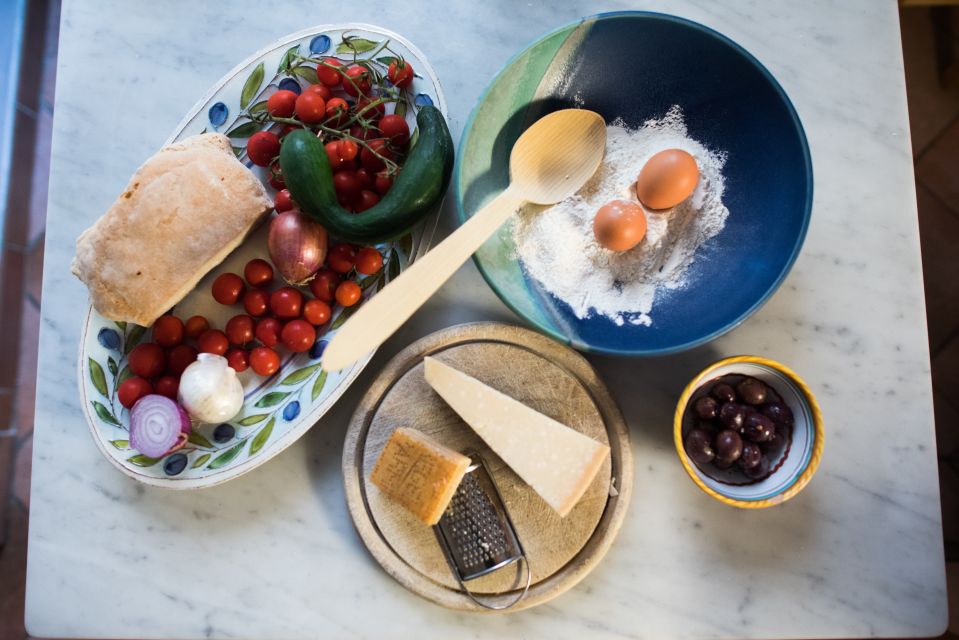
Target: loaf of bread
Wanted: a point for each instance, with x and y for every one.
(182, 213)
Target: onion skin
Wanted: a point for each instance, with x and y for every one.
(297, 246)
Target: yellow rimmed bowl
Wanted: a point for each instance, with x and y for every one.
(797, 464)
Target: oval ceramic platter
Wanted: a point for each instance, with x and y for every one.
(279, 409)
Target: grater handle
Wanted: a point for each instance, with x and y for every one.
(522, 594)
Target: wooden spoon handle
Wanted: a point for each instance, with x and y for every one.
(383, 314)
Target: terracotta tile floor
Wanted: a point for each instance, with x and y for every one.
(934, 116)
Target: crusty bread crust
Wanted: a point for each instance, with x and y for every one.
(182, 213)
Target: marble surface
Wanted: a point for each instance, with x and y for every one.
(273, 554)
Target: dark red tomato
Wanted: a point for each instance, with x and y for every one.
(168, 331)
(348, 150)
(264, 361)
(346, 203)
(228, 288)
(196, 325)
(330, 72)
(368, 261)
(365, 200)
(286, 302)
(179, 358)
(310, 107)
(323, 285)
(262, 147)
(287, 128)
(341, 258)
(258, 272)
(395, 128)
(239, 329)
(238, 359)
(256, 302)
(275, 177)
(213, 341)
(360, 132)
(400, 73)
(366, 179)
(371, 161)
(337, 111)
(147, 360)
(384, 181)
(346, 184)
(357, 81)
(348, 293)
(319, 89)
(283, 201)
(298, 336)
(132, 389)
(168, 386)
(337, 163)
(281, 104)
(367, 110)
(316, 312)
(268, 331)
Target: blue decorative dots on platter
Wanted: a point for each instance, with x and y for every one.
(218, 114)
(320, 44)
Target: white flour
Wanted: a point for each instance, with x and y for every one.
(558, 249)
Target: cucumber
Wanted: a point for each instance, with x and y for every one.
(417, 189)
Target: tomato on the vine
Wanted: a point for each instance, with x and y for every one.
(132, 389)
(258, 272)
(373, 154)
(316, 312)
(179, 358)
(348, 293)
(239, 329)
(357, 80)
(147, 360)
(320, 89)
(298, 335)
(281, 103)
(346, 183)
(268, 331)
(395, 128)
(286, 302)
(276, 176)
(256, 302)
(196, 325)
(167, 386)
(341, 257)
(366, 179)
(400, 73)
(366, 199)
(310, 107)
(213, 341)
(383, 182)
(330, 77)
(262, 147)
(360, 132)
(368, 261)
(238, 359)
(323, 285)
(264, 361)
(337, 111)
(337, 163)
(283, 201)
(168, 331)
(367, 110)
(348, 150)
(228, 288)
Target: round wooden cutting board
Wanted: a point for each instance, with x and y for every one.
(545, 375)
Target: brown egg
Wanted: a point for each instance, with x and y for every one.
(619, 225)
(668, 178)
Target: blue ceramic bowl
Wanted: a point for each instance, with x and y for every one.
(635, 66)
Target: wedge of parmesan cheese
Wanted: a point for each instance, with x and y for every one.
(558, 462)
(419, 473)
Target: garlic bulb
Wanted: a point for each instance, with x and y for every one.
(210, 390)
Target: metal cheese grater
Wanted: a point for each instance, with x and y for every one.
(476, 534)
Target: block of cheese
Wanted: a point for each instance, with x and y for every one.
(419, 473)
(558, 462)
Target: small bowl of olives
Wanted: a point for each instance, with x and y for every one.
(749, 432)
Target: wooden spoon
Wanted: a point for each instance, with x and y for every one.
(549, 162)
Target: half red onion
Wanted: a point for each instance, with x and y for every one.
(297, 245)
(158, 425)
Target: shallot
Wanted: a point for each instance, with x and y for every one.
(297, 246)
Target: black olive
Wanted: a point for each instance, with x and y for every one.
(778, 412)
(699, 447)
(751, 455)
(751, 391)
(706, 407)
(759, 470)
(729, 446)
(723, 392)
(732, 415)
(758, 428)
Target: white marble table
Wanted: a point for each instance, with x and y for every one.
(273, 554)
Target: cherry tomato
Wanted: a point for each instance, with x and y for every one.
(213, 341)
(337, 111)
(239, 329)
(368, 261)
(348, 293)
(316, 312)
(147, 360)
(348, 150)
(346, 183)
(264, 361)
(330, 77)
(341, 258)
(368, 112)
(281, 104)
(310, 107)
(395, 128)
(365, 200)
(132, 389)
(258, 272)
(357, 80)
(345, 202)
(298, 335)
(262, 147)
(168, 386)
(287, 129)
(256, 302)
(179, 358)
(168, 331)
(371, 161)
(283, 202)
(196, 325)
(228, 288)
(268, 331)
(323, 285)
(366, 179)
(360, 132)
(238, 359)
(384, 181)
(286, 302)
(276, 177)
(321, 90)
(400, 73)
(337, 163)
